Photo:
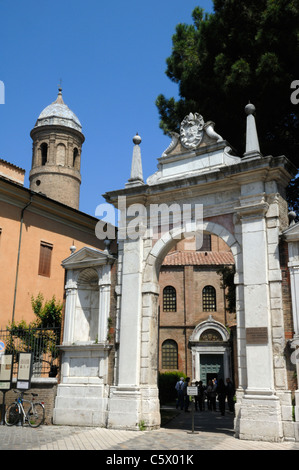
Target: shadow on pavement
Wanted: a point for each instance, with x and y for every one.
(204, 421)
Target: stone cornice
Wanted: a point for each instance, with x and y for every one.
(264, 169)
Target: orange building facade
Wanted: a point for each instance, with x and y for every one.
(39, 225)
(37, 234)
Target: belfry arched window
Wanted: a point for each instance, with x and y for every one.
(169, 354)
(209, 299)
(44, 153)
(76, 158)
(169, 299)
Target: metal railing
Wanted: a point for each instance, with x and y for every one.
(41, 342)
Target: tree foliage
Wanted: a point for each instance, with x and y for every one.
(49, 314)
(41, 336)
(227, 274)
(243, 51)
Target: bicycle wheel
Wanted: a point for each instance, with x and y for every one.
(12, 414)
(36, 415)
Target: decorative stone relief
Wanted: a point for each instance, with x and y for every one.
(192, 130)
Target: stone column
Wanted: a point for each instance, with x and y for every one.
(293, 264)
(52, 150)
(104, 303)
(294, 278)
(125, 399)
(70, 309)
(259, 413)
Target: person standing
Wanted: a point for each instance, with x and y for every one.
(221, 392)
(211, 395)
(230, 392)
(201, 396)
(186, 396)
(180, 393)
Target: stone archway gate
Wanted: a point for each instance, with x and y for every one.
(243, 202)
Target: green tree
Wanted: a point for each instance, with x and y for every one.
(243, 51)
(39, 336)
(227, 274)
(49, 314)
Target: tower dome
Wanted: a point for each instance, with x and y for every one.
(60, 114)
(56, 160)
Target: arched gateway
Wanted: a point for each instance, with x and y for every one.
(205, 188)
(243, 203)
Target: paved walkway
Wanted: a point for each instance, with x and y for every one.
(211, 432)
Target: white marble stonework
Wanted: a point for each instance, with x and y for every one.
(242, 198)
(82, 397)
(291, 235)
(200, 347)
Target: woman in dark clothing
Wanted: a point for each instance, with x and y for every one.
(221, 392)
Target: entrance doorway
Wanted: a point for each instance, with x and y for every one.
(211, 367)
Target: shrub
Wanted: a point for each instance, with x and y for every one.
(166, 384)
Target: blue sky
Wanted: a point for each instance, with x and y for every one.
(111, 58)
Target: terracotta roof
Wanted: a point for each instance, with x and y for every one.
(11, 164)
(180, 258)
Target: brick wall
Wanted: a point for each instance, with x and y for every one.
(189, 282)
(46, 391)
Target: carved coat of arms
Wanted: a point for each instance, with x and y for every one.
(192, 130)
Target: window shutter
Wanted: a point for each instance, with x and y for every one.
(45, 259)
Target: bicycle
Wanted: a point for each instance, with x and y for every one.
(31, 411)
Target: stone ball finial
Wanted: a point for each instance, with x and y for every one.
(73, 248)
(137, 139)
(292, 216)
(249, 108)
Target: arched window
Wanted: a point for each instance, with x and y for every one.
(169, 354)
(75, 158)
(209, 299)
(44, 152)
(210, 335)
(169, 299)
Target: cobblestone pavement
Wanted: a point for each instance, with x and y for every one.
(211, 431)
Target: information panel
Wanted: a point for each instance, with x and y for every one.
(192, 391)
(24, 371)
(257, 335)
(6, 363)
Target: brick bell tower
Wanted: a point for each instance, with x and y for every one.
(56, 155)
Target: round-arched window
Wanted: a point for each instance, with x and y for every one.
(169, 354)
(169, 299)
(209, 299)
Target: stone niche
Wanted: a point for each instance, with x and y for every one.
(82, 396)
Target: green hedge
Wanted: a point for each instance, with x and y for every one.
(166, 384)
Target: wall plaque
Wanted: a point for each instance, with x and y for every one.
(258, 335)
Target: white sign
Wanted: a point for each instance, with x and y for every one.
(24, 367)
(6, 364)
(192, 391)
(5, 367)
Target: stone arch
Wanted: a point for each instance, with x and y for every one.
(209, 324)
(87, 306)
(168, 240)
(87, 276)
(150, 293)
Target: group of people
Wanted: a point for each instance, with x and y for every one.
(215, 391)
